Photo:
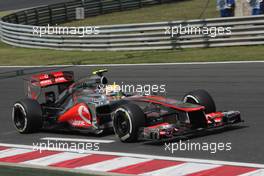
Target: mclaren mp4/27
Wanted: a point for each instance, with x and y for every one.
(54, 100)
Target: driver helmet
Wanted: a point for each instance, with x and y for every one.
(113, 90)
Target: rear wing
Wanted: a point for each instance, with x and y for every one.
(49, 79)
(62, 80)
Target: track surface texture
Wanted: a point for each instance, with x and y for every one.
(19, 4)
(233, 86)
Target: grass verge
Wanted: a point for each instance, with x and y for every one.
(3, 13)
(187, 9)
(23, 56)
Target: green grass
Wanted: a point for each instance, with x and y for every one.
(3, 13)
(23, 56)
(188, 9)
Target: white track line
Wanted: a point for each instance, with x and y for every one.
(77, 140)
(112, 164)
(259, 172)
(13, 152)
(144, 64)
(217, 162)
(182, 169)
(52, 159)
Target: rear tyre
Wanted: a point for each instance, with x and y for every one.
(127, 121)
(27, 116)
(201, 97)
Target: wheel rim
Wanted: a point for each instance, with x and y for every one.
(19, 117)
(122, 123)
(190, 99)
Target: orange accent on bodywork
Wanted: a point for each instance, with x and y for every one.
(75, 118)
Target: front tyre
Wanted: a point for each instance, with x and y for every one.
(201, 97)
(127, 121)
(27, 116)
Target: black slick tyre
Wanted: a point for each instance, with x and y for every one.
(27, 116)
(201, 97)
(127, 121)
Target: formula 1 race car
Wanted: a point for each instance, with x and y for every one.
(56, 101)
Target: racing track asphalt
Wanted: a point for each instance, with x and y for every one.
(233, 86)
(19, 4)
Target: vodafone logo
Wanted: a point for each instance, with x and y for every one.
(84, 110)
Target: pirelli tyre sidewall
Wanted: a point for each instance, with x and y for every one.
(127, 121)
(27, 116)
(201, 97)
